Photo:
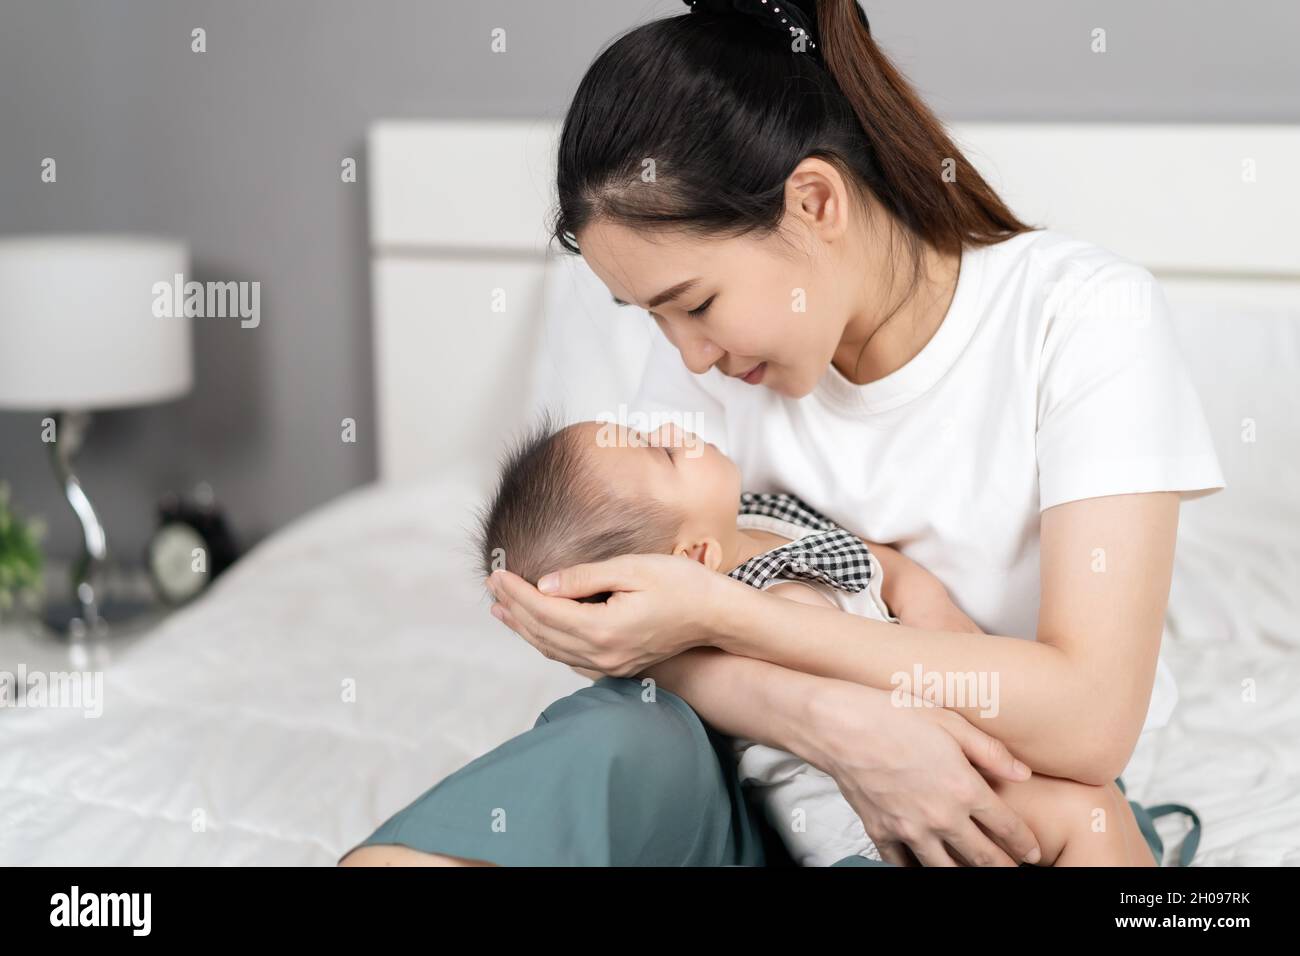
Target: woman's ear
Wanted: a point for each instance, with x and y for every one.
(707, 552)
(818, 194)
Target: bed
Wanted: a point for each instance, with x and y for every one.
(348, 662)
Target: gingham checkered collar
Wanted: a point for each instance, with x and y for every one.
(830, 554)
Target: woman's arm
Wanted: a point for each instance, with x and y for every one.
(915, 775)
(741, 696)
(1071, 703)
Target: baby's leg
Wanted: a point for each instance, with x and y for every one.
(1077, 824)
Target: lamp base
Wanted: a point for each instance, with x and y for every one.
(68, 619)
(82, 617)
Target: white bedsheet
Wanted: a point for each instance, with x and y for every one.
(232, 711)
(233, 708)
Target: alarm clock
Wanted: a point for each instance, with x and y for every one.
(191, 546)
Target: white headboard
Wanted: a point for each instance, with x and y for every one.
(459, 245)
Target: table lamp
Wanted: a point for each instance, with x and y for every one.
(78, 333)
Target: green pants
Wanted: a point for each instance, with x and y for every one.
(605, 778)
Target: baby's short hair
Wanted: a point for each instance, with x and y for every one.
(550, 511)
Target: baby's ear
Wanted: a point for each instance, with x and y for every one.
(707, 552)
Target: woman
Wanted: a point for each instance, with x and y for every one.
(868, 327)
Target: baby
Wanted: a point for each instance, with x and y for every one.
(597, 490)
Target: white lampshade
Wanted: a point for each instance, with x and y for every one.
(77, 325)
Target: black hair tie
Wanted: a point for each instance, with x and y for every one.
(787, 16)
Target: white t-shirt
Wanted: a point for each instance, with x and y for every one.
(1054, 376)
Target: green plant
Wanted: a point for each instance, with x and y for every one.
(20, 557)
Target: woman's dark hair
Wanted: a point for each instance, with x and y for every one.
(726, 109)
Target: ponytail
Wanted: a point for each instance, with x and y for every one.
(912, 150)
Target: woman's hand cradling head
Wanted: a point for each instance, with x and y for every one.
(911, 774)
(661, 605)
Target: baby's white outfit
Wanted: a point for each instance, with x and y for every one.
(802, 803)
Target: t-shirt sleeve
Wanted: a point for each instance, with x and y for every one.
(669, 391)
(1117, 411)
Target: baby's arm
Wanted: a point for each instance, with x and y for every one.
(915, 596)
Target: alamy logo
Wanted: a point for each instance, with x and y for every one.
(946, 689)
(102, 909)
(635, 428)
(67, 690)
(218, 300)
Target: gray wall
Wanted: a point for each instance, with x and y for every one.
(237, 150)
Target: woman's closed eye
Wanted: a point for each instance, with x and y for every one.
(699, 310)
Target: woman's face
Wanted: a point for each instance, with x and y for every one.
(769, 309)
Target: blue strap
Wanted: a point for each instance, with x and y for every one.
(1193, 838)
(1146, 817)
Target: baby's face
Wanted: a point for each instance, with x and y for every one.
(672, 466)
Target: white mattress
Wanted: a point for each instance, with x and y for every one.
(233, 708)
